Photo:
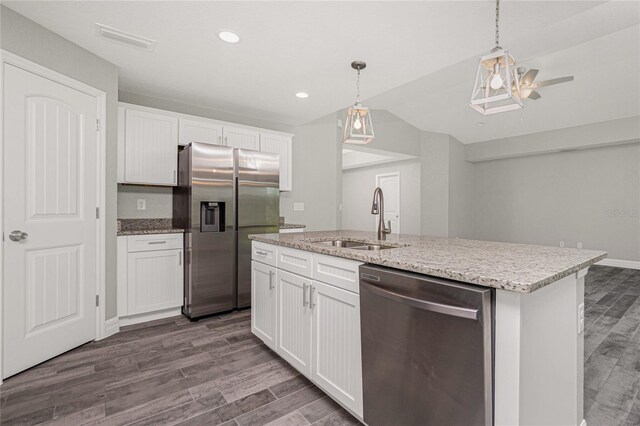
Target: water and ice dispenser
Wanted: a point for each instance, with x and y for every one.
(212, 216)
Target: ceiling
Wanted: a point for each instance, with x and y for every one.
(420, 56)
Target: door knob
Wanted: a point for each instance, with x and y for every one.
(18, 236)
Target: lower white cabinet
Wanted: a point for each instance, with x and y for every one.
(294, 320)
(317, 324)
(336, 364)
(263, 303)
(150, 275)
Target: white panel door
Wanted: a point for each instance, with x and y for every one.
(50, 194)
(294, 320)
(336, 364)
(264, 302)
(281, 145)
(390, 184)
(151, 153)
(199, 131)
(154, 280)
(239, 137)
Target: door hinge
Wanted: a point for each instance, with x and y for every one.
(97, 124)
(97, 300)
(97, 212)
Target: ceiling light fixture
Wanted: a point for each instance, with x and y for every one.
(358, 128)
(302, 95)
(229, 37)
(124, 37)
(497, 85)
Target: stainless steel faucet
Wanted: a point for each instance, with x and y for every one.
(377, 207)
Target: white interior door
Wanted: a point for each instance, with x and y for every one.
(390, 184)
(50, 155)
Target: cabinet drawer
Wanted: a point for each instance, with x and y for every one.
(265, 253)
(154, 242)
(342, 273)
(297, 261)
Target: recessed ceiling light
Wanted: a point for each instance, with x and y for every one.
(479, 123)
(302, 95)
(229, 37)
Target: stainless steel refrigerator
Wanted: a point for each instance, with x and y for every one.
(223, 195)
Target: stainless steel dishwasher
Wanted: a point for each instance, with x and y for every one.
(426, 350)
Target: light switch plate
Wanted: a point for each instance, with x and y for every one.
(298, 207)
(142, 204)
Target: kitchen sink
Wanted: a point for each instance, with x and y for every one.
(355, 245)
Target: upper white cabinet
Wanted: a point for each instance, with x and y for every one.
(281, 145)
(148, 141)
(240, 137)
(149, 148)
(199, 131)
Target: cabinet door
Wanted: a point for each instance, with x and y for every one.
(294, 320)
(239, 137)
(154, 280)
(281, 145)
(199, 131)
(150, 148)
(263, 303)
(336, 364)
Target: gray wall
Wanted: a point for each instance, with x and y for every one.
(25, 38)
(159, 202)
(316, 176)
(590, 196)
(461, 179)
(357, 191)
(434, 184)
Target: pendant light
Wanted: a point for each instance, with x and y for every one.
(358, 128)
(497, 85)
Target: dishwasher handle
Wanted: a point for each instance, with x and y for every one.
(424, 304)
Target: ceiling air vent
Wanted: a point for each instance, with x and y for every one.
(124, 37)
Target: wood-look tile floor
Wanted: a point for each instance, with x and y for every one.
(216, 372)
(168, 372)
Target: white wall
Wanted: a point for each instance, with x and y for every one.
(567, 196)
(357, 195)
(25, 38)
(461, 179)
(434, 179)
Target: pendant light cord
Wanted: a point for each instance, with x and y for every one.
(358, 88)
(497, 23)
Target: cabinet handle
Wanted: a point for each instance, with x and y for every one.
(226, 141)
(311, 290)
(270, 280)
(158, 242)
(304, 295)
(180, 259)
(261, 253)
(219, 140)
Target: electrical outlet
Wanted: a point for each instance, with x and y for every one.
(142, 204)
(298, 207)
(579, 245)
(561, 243)
(580, 318)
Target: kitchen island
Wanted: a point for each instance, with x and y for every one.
(538, 310)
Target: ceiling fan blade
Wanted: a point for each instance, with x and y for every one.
(528, 77)
(553, 81)
(534, 95)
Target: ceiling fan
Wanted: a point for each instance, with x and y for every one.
(528, 86)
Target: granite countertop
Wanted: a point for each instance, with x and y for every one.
(146, 226)
(291, 226)
(521, 268)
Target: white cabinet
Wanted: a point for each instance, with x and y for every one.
(150, 276)
(199, 131)
(153, 278)
(318, 323)
(281, 145)
(336, 363)
(240, 137)
(294, 320)
(263, 303)
(150, 155)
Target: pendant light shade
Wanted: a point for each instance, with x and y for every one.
(497, 84)
(358, 128)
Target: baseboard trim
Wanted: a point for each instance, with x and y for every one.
(619, 263)
(111, 326)
(136, 319)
